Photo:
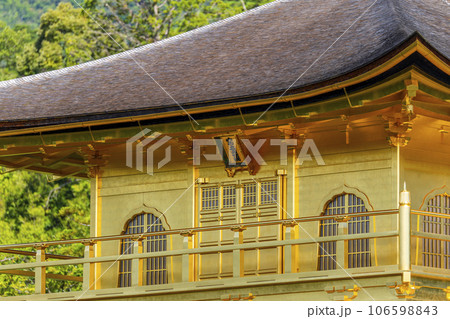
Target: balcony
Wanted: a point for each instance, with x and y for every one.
(409, 259)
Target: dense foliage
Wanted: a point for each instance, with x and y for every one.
(68, 35)
(43, 35)
(25, 11)
(32, 210)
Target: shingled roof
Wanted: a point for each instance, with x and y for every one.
(258, 52)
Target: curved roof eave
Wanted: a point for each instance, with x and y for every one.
(44, 99)
(372, 73)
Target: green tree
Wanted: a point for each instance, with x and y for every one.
(12, 45)
(28, 12)
(34, 210)
(64, 39)
(134, 23)
(68, 36)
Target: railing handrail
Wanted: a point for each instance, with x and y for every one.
(429, 214)
(427, 235)
(33, 253)
(196, 229)
(200, 250)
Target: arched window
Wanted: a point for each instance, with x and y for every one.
(155, 268)
(358, 249)
(436, 253)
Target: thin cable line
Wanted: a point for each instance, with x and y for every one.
(320, 56)
(137, 63)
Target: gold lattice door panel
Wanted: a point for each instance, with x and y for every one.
(218, 207)
(240, 202)
(259, 203)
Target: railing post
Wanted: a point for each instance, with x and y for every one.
(137, 263)
(40, 272)
(238, 254)
(186, 274)
(405, 230)
(88, 267)
(341, 245)
(288, 248)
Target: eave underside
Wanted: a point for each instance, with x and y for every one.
(76, 149)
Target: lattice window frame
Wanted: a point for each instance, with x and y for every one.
(358, 250)
(155, 270)
(435, 252)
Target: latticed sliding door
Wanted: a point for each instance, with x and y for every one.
(436, 253)
(358, 249)
(240, 202)
(260, 203)
(218, 207)
(155, 268)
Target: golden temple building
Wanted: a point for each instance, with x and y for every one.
(262, 157)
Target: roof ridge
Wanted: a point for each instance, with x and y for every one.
(51, 74)
(399, 19)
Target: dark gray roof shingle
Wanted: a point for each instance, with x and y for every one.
(260, 51)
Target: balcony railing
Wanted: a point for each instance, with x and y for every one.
(405, 246)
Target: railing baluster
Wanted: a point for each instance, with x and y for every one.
(186, 274)
(40, 272)
(136, 263)
(342, 245)
(288, 248)
(88, 267)
(238, 254)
